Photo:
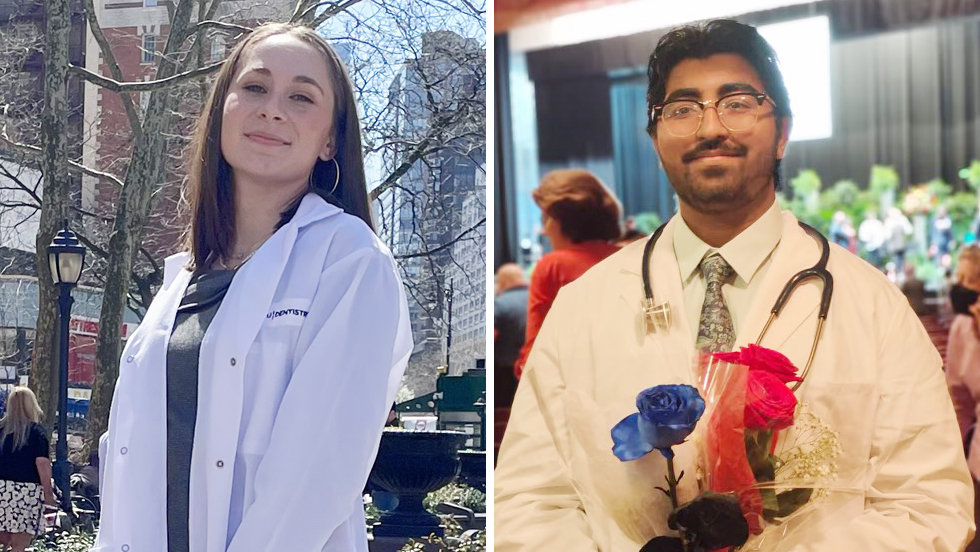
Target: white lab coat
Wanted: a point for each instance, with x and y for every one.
(298, 371)
(876, 379)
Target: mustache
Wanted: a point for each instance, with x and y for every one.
(705, 149)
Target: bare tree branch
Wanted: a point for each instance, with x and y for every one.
(445, 245)
(21, 184)
(35, 152)
(334, 9)
(145, 86)
(473, 8)
(204, 25)
(417, 153)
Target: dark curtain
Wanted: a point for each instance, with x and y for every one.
(857, 17)
(573, 119)
(909, 99)
(504, 235)
(848, 19)
(640, 183)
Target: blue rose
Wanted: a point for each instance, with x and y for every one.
(667, 415)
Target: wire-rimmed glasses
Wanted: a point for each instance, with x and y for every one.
(736, 112)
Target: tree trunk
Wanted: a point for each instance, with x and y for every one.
(54, 210)
(145, 173)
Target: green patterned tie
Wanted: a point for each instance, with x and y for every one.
(716, 333)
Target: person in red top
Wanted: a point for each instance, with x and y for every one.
(580, 216)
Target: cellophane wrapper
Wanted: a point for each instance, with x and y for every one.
(811, 468)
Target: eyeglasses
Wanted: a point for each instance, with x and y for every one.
(735, 111)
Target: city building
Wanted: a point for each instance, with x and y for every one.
(440, 97)
(468, 274)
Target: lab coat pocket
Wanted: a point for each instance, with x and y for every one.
(268, 370)
(625, 492)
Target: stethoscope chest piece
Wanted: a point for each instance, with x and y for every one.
(656, 316)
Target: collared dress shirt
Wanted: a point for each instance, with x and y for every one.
(748, 253)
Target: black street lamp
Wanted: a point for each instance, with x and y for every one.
(66, 257)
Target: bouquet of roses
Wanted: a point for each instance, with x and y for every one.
(759, 442)
(745, 408)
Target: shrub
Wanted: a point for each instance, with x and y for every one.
(459, 494)
(74, 541)
(456, 540)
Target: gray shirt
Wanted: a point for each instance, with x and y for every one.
(194, 315)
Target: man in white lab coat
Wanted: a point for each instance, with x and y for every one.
(720, 122)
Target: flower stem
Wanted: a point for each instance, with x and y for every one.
(672, 482)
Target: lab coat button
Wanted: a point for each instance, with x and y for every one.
(232, 362)
(129, 359)
(123, 450)
(125, 548)
(221, 464)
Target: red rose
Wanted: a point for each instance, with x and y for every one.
(769, 404)
(761, 358)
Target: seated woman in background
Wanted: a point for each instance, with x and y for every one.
(963, 359)
(580, 216)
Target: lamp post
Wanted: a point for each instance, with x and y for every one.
(66, 257)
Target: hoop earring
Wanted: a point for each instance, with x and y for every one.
(336, 181)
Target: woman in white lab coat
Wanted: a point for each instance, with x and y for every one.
(250, 401)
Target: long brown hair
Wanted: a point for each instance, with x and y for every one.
(209, 192)
(22, 411)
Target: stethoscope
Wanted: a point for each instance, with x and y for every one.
(658, 314)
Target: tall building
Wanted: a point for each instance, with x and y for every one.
(440, 97)
(468, 274)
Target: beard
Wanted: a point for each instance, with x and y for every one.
(718, 189)
(711, 190)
